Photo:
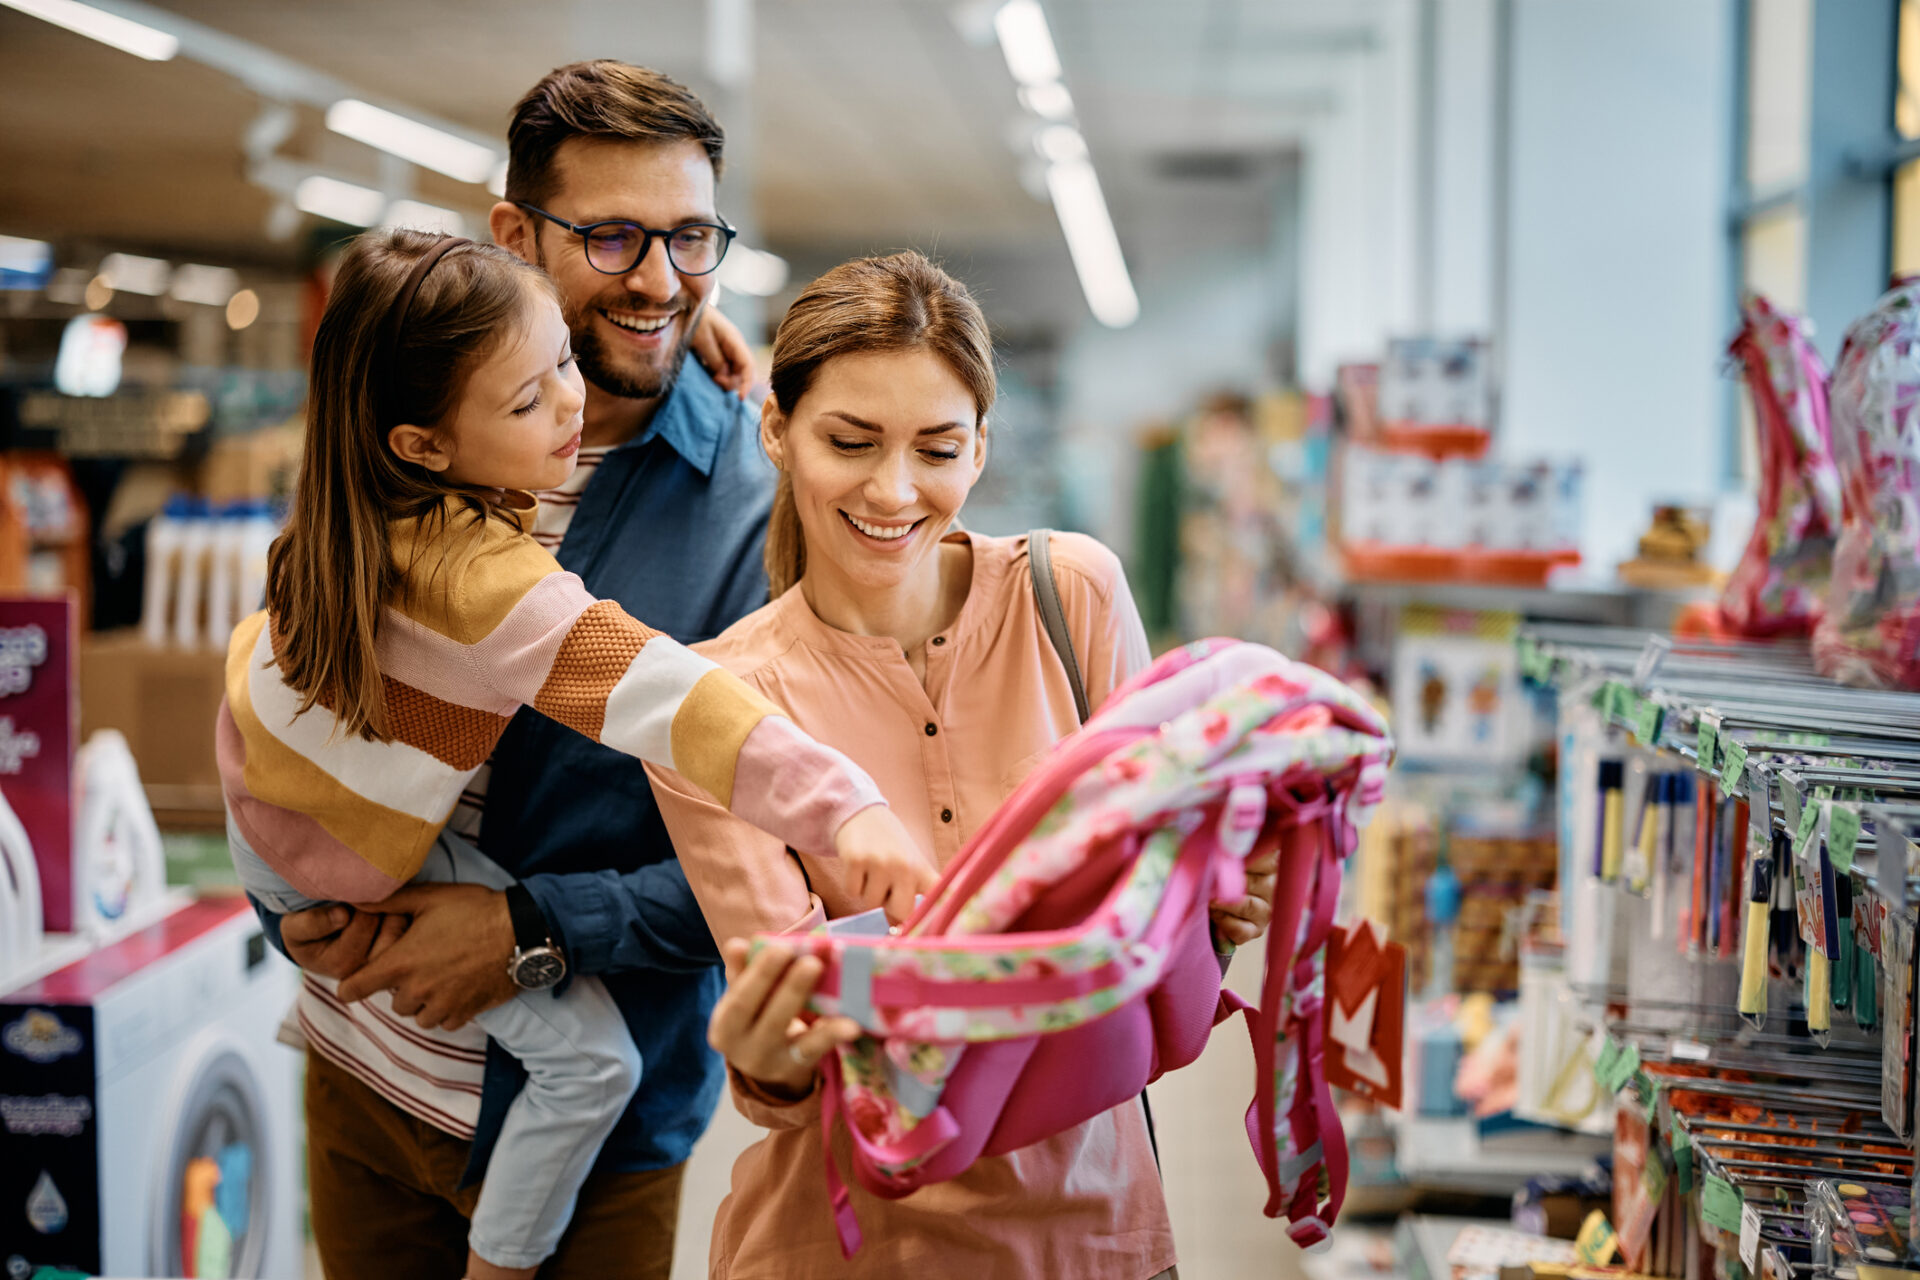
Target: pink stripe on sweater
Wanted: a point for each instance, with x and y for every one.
(300, 850)
(800, 790)
(505, 669)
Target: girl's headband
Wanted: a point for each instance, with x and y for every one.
(396, 319)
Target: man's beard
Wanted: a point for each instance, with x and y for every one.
(601, 367)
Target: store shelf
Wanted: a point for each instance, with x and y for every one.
(1421, 1243)
(1450, 1155)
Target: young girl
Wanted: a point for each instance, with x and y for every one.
(410, 614)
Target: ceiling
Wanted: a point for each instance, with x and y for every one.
(868, 123)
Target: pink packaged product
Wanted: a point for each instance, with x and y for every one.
(1871, 630)
(1778, 586)
(1064, 959)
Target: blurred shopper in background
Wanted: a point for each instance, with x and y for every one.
(611, 188)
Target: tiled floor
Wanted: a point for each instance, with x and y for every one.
(1214, 1189)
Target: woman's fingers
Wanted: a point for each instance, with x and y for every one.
(739, 1008)
(817, 1041)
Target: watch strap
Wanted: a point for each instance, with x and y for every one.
(529, 922)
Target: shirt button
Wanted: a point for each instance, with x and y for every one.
(946, 815)
(931, 729)
(939, 639)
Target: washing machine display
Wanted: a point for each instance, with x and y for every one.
(155, 1113)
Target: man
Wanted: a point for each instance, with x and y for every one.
(666, 514)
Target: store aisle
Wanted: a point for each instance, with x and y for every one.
(1214, 1189)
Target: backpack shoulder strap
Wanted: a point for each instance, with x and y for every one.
(1046, 595)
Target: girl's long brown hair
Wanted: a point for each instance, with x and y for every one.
(901, 302)
(332, 571)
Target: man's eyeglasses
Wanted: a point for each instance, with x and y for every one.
(615, 248)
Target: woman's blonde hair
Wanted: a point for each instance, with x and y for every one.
(901, 302)
(332, 572)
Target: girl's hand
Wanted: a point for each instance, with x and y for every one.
(757, 1027)
(884, 867)
(1241, 922)
(720, 346)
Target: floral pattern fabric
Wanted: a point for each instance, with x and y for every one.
(1872, 624)
(1252, 723)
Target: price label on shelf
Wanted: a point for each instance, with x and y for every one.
(1603, 1066)
(1646, 723)
(1843, 836)
(1625, 1064)
(1720, 1205)
(1734, 770)
(1809, 820)
(1749, 1236)
(1709, 746)
(1682, 1143)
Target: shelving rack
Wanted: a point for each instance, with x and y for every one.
(1815, 761)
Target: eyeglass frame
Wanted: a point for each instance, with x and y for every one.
(585, 230)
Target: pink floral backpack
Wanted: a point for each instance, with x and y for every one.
(1777, 587)
(1870, 633)
(1064, 960)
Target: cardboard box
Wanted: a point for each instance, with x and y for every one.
(164, 700)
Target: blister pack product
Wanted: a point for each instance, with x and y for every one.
(1896, 1012)
(1855, 1223)
(1870, 632)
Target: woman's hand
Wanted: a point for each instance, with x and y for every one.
(722, 349)
(757, 1028)
(884, 867)
(1241, 922)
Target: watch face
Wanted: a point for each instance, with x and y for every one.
(538, 969)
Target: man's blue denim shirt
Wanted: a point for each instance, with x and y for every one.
(672, 527)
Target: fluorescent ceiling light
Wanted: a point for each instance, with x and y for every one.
(1097, 259)
(208, 286)
(341, 201)
(754, 272)
(424, 217)
(127, 273)
(1049, 101)
(1026, 43)
(423, 144)
(1060, 143)
(108, 28)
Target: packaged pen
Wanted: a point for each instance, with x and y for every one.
(1753, 968)
(1612, 819)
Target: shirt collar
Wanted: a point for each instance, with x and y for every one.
(693, 417)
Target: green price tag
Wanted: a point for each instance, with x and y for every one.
(1654, 1177)
(1734, 774)
(1648, 1091)
(1809, 819)
(1609, 1059)
(1843, 836)
(1603, 699)
(1720, 1205)
(1646, 725)
(1621, 1069)
(1683, 1159)
(1709, 747)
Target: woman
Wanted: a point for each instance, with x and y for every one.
(915, 648)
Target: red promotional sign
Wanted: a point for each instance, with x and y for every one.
(39, 721)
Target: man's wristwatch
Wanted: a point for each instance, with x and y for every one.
(537, 964)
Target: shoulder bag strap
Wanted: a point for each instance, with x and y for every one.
(1046, 595)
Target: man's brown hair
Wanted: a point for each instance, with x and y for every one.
(601, 99)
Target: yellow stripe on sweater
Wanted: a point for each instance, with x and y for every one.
(711, 726)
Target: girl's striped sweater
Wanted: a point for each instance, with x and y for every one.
(490, 623)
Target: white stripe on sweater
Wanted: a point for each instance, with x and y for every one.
(641, 708)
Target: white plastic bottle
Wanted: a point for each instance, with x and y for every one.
(223, 569)
(119, 863)
(163, 550)
(257, 533)
(189, 590)
(21, 921)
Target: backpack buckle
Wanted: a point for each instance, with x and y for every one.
(1311, 1235)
